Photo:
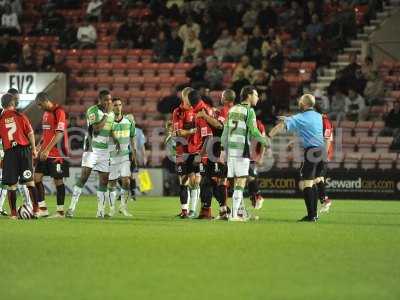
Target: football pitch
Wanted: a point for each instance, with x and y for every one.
(351, 253)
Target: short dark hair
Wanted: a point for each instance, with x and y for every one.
(194, 97)
(8, 100)
(117, 99)
(229, 95)
(246, 92)
(42, 96)
(103, 93)
(13, 91)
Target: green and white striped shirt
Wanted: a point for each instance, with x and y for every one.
(124, 131)
(240, 127)
(100, 141)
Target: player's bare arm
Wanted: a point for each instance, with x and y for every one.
(185, 132)
(31, 137)
(277, 129)
(56, 139)
(210, 120)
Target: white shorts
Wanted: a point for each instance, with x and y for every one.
(120, 167)
(97, 161)
(238, 167)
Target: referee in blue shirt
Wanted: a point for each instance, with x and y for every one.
(308, 126)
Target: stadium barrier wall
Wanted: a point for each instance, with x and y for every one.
(90, 188)
(351, 184)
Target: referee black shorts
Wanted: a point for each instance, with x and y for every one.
(17, 165)
(54, 167)
(312, 158)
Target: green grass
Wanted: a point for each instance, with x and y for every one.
(352, 253)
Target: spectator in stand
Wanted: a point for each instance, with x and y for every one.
(321, 100)
(197, 72)
(321, 51)
(280, 93)
(239, 80)
(315, 28)
(27, 61)
(289, 18)
(191, 47)
(249, 19)
(368, 67)
(243, 69)
(303, 46)
(374, 91)
(53, 23)
(350, 76)
(162, 25)
(207, 33)
(355, 106)
(67, 36)
(337, 105)
(175, 47)
(262, 82)
(93, 11)
(16, 7)
(266, 67)
(392, 121)
(267, 17)
(9, 22)
(167, 104)
(297, 28)
(9, 50)
(255, 41)
(238, 46)
(160, 48)
(48, 62)
(86, 36)
(214, 75)
(127, 34)
(186, 29)
(275, 57)
(146, 33)
(60, 66)
(270, 38)
(222, 45)
(309, 11)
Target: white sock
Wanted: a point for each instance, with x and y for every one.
(60, 207)
(194, 198)
(113, 197)
(3, 195)
(75, 197)
(237, 200)
(124, 198)
(102, 199)
(23, 190)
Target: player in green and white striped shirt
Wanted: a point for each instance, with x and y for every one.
(123, 133)
(97, 154)
(239, 129)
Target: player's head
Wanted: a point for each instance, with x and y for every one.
(43, 100)
(9, 101)
(249, 94)
(185, 93)
(194, 98)
(15, 93)
(117, 106)
(306, 101)
(228, 97)
(105, 99)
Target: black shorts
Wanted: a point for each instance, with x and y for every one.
(321, 169)
(253, 171)
(55, 168)
(312, 157)
(218, 169)
(190, 165)
(17, 165)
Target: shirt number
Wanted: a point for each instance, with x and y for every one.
(12, 128)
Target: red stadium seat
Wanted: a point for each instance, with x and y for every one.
(136, 82)
(167, 82)
(387, 160)
(352, 160)
(133, 55)
(165, 69)
(120, 82)
(150, 69)
(369, 160)
(151, 83)
(366, 144)
(134, 68)
(104, 69)
(349, 144)
(119, 69)
(181, 68)
(118, 55)
(383, 143)
(152, 96)
(88, 55)
(377, 127)
(103, 55)
(363, 128)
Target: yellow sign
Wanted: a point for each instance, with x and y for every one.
(145, 183)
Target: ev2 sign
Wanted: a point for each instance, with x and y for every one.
(25, 83)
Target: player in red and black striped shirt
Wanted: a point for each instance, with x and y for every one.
(53, 152)
(19, 147)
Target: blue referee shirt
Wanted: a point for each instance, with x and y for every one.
(308, 126)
